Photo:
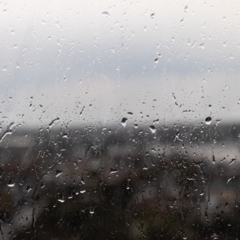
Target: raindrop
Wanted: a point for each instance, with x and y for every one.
(58, 173)
(186, 8)
(124, 122)
(28, 189)
(11, 183)
(82, 181)
(213, 159)
(112, 171)
(17, 65)
(106, 14)
(61, 200)
(152, 15)
(145, 167)
(65, 136)
(152, 128)
(201, 45)
(177, 137)
(232, 161)
(229, 179)
(208, 120)
(53, 122)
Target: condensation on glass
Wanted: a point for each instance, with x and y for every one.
(119, 119)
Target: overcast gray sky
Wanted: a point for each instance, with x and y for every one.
(94, 61)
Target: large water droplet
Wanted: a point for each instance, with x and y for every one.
(208, 120)
(124, 121)
(11, 183)
(152, 128)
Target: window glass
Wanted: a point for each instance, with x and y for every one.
(119, 119)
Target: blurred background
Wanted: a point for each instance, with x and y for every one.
(119, 119)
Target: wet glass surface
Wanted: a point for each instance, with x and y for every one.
(119, 120)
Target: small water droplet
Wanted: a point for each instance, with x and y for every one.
(11, 183)
(232, 161)
(65, 136)
(124, 122)
(28, 189)
(82, 191)
(229, 179)
(58, 173)
(213, 159)
(152, 15)
(145, 167)
(208, 120)
(202, 45)
(106, 14)
(91, 210)
(82, 181)
(152, 128)
(112, 171)
(186, 8)
(18, 66)
(61, 200)
(153, 150)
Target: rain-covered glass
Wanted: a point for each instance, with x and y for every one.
(119, 119)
